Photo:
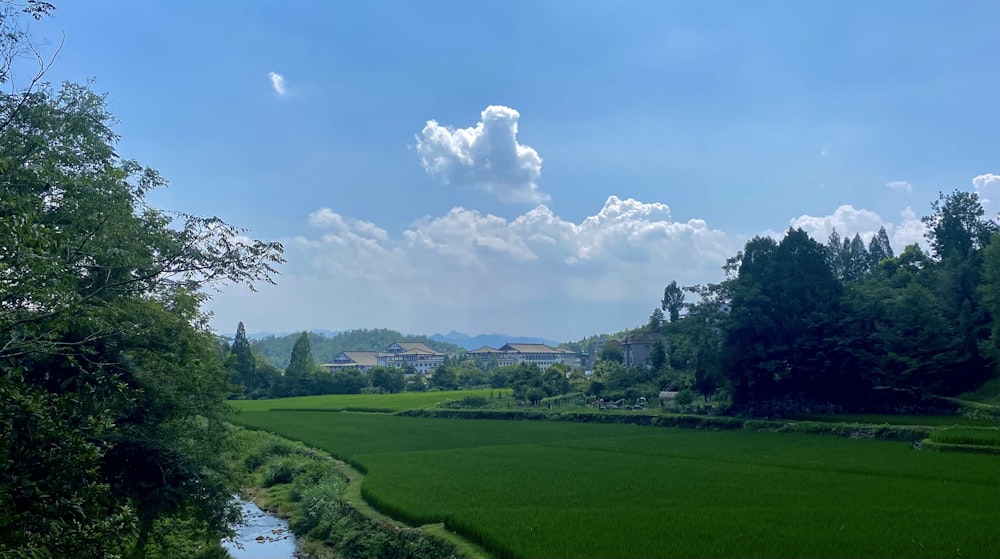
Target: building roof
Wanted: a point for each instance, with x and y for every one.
(408, 346)
(419, 351)
(365, 358)
(531, 348)
(485, 349)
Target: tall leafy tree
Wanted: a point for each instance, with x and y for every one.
(857, 262)
(957, 227)
(835, 254)
(785, 304)
(958, 233)
(444, 378)
(388, 379)
(673, 301)
(655, 320)
(612, 351)
(896, 332)
(658, 355)
(879, 248)
(301, 362)
(112, 385)
(243, 362)
(300, 373)
(989, 291)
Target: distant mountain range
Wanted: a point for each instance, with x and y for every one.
(492, 340)
(453, 337)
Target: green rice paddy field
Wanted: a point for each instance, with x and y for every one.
(555, 489)
(364, 402)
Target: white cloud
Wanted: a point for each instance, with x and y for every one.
(536, 273)
(909, 231)
(900, 185)
(988, 188)
(849, 220)
(325, 217)
(533, 274)
(486, 156)
(278, 83)
(988, 180)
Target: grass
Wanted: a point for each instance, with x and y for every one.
(551, 489)
(988, 393)
(387, 403)
(874, 419)
(976, 437)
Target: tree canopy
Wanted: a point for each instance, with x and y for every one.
(673, 301)
(112, 384)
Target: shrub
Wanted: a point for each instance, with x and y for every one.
(684, 397)
(282, 470)
(318, 509)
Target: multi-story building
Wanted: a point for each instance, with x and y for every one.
(513, 354)
(400, 354)
(422, 358)
(361, 360)
(636, 352)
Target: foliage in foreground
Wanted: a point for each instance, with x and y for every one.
(558, 489)
(112, 390)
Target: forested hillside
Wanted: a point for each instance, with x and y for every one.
(277, 350)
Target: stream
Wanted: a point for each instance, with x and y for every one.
(261, 536)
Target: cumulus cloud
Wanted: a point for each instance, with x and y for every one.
(536, 273)
(900, 185)
(987, 186)
(849, 220)
(988, 180)
(486, 156)
(909, 231)
(278, 83)
(846, 219)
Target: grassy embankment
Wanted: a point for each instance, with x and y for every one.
(562, 489)
(322, 499)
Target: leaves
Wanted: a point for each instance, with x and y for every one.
(113, 386)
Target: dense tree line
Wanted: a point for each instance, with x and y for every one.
(254, 377)
(850, 325)
(112, 388)
(277, 350)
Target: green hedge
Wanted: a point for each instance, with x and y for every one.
(967, 436)
(885, 432)
(928, 444)
(348, 408)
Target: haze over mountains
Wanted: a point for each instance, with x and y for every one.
(453, 337)
(492, 340)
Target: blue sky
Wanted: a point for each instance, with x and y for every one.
(377, 141)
